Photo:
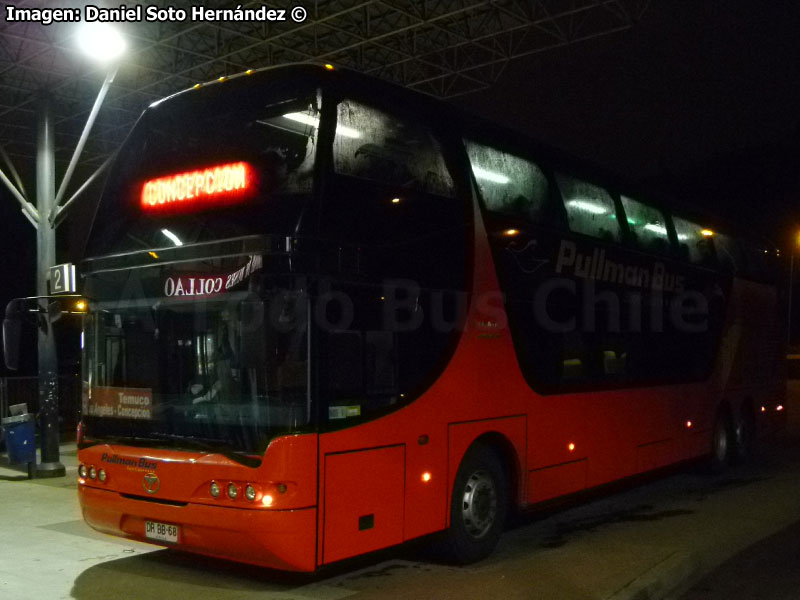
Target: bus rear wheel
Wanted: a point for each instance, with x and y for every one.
(744, 435)
(722, 443)
(479, 506)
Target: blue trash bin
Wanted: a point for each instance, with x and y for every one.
(20, 434)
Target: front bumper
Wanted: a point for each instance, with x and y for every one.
(279, 539)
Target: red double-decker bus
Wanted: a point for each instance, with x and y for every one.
(328, 315)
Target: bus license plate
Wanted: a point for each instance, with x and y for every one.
(161, 532)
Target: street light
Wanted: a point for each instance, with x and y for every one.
(101, 42)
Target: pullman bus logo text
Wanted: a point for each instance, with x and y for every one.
(140, 463)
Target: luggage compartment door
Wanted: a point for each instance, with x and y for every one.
(363, 511)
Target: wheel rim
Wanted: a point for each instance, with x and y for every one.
(479, 504)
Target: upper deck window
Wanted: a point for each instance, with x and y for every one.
(380, 147)
(590, 208)
(693, 241)
(647, 225)
(510, 185)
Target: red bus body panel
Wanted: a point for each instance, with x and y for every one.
(281, 535)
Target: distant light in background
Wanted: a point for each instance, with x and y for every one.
(511, 232)
(101, 42)
(706, 232)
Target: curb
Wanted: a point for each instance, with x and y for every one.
(667, 577)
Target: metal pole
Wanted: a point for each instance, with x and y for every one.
(50, 465)
(81, 143)
(16, 193)
(59, 211)
(13, 171)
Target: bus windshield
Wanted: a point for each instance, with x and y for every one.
(194, 365)
(237, 167)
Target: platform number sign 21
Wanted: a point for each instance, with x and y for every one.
(62, 279)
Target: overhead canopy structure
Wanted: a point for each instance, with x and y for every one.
(441, 47)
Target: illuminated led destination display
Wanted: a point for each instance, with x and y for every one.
(219, 184)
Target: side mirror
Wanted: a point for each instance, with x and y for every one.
(24, 312)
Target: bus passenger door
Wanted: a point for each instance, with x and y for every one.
(363, 509)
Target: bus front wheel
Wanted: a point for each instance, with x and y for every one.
(479, 506)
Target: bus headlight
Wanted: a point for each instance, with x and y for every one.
(92, 473)
(233, 491)
(82, 472)
(250, 493)
(214, 489)
(101, 475)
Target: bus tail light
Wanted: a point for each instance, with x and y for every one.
(260, 494)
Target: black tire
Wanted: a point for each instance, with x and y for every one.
(722, 443)
(744, 436)
(478, 508)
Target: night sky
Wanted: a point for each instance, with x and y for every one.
(699, 99)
